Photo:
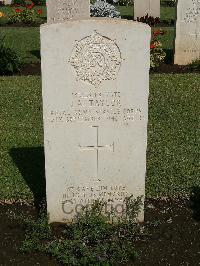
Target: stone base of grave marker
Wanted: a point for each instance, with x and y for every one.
(95, 78)
(187, 44)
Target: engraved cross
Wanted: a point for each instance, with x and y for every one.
(97, 147)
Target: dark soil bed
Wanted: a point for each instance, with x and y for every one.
(164, 23)
(20, 25)
(12, 235)
(173, 69)
(35, 69)
(31, 69)
(172, 235)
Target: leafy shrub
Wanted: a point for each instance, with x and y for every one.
(103, 9)
(39, 2)
(195, 65)
(92, 239)
(121, 2)
(172, 2)
(19, 2)
(169, 2)
(9, 61)
(157, 53)
(25, 16)
(151, 21)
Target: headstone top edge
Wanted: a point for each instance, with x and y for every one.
(100, 20)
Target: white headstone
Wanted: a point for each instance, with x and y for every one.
(60, 10)
(144, 7)
(187, 44)
(7, 2)
(95, 76)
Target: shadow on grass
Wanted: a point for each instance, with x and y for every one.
(167, 23)
(36, 53)
(195, 202)
(30, 162)
(129, 17)
(169, 56)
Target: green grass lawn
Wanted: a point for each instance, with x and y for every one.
(26, 40)
(172, 136)
(21, 127)
(172, 157)
(166, 13)
(10, 10)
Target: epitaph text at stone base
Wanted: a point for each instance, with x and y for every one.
(187, 44)
(95, 76)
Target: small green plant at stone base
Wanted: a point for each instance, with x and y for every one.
(9, 61)
(157, 55)
(92, 239)
(36, 231)
(194, 66)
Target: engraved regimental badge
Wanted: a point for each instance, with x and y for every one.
(96, 58)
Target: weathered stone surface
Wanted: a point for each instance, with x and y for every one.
(60, 10)
(187, 44)
(7, 2)
(95, 76)
(144, 7)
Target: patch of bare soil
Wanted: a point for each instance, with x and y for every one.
(31, 69)
(22, 25)
(12, 235)
(172, 69)
(35, 69)
(173, 236)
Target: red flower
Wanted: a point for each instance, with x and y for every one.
(156, 33)
(152, 46)
(18, 10)
(30, 6)
(39, 11)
